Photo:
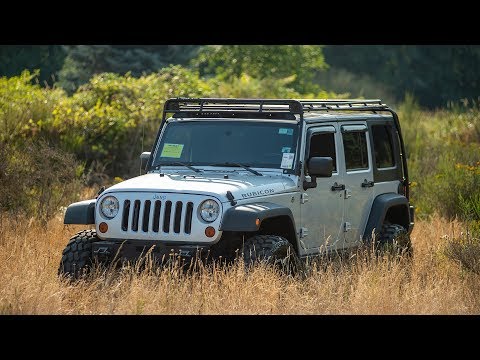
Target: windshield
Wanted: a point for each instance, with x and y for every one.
(253, 144)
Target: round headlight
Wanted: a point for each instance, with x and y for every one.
(209, 210)
(109, 207)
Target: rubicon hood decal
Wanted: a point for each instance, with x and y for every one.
(257, 193)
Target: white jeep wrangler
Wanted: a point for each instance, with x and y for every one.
(268, 179)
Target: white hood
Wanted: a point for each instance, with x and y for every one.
(242, 186)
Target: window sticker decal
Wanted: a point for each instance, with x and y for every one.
(287, 160)
(285, 131)
(172, 150)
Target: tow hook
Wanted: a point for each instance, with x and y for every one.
(102, 252)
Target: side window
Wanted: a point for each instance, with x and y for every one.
(383, 146)
(356, 154)
(324, 145)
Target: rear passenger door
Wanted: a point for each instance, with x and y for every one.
(358, 178)
(322, 206)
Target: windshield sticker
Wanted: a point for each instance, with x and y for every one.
(286, 149)
(172, 150)
(285, 131)
(287, 161)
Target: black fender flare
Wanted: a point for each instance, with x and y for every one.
(380, 207)
(81, 213)
(243, 217)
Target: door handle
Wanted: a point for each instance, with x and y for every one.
(366, 183)
(337, 187)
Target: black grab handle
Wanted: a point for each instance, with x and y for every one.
(366, 183)
(337, 187)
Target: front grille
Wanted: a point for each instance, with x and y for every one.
(165, 216)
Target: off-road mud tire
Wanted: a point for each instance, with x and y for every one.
(77, 257)
(395, 238)
(274, 250)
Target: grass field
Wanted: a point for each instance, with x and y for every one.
(431, 284)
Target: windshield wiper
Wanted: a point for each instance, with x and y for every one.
(230, 164)
(181, 164)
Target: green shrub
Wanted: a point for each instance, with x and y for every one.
(443, 150)
(112, 117)
(25, 107)
(38, 180)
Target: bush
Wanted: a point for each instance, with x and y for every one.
(38, 179)
(112, 118)
(443, 150)
(25, 107)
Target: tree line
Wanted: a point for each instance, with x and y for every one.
(434, 74)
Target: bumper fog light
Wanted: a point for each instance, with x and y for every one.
(103, 227)
(210, 231)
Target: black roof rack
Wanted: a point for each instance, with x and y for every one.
(207, 106)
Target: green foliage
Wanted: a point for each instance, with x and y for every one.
(443, 150)
(106, 119)
(246, 86)
(38, 179)
(435, 74)
(25, 107)
(14, 59)
(84, 61)
(300, 62)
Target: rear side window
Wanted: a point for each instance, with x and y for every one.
(383, 146)
(356, 154)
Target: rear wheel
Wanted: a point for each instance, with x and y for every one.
(77, 257)
(272, 249)
(395, 238)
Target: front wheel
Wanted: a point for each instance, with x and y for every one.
(77, 257)
(272, 249)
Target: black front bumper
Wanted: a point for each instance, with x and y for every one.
(131, 250)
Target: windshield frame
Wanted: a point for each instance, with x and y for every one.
(297, 136)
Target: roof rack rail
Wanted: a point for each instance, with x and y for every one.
(207, 106)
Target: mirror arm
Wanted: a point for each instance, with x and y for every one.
(310, 184)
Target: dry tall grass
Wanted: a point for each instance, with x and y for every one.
(431, 284)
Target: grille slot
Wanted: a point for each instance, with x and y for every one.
(178, 217)
(146, 215)
(166, 218)
(155, 217)
(126, 212)
(136, 213)
(188, 218)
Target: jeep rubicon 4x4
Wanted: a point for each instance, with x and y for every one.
(260, 177)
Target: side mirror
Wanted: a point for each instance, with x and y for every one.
(320, 166)
(144, 160)
(317, 167)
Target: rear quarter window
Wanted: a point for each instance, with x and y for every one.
(383, 146)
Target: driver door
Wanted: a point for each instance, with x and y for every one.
(322, 208)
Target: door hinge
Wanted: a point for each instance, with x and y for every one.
(303, 198)
(303, 232)
(347, 226)
(348, 193)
